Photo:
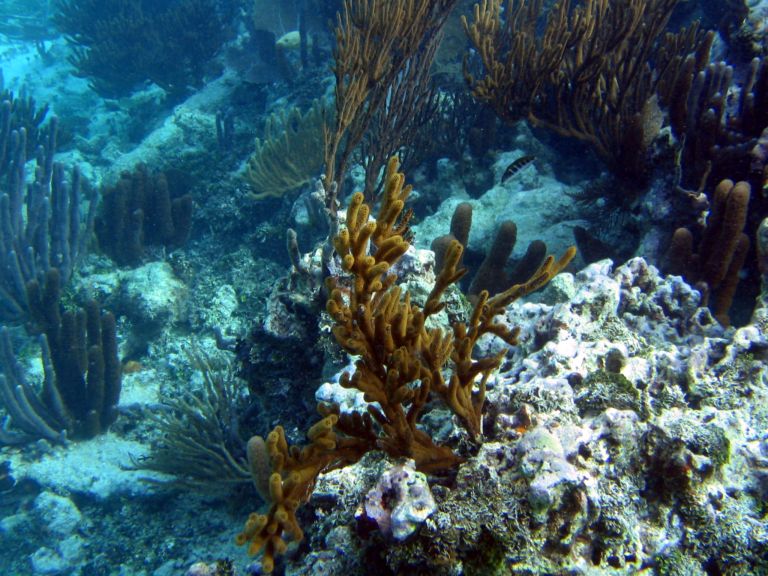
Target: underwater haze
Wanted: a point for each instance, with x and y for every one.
(352, 287)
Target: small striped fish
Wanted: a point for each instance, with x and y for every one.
(516, 166)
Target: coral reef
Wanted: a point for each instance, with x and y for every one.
(400, 366)
(412, 103)
(284, 476)
(201, 443)
(606, 423)
(716, 137)
(81, 371)
(619, 436)
(592, 73)
(290, 153)
(492, 270)
(17, 112)
(141, 210)
(41, 224)
(375, 44)
(120, 44)
(722, 251)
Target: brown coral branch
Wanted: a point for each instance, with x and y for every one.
(722, 249)
(400, 366)
(588, 75)
(375, 43)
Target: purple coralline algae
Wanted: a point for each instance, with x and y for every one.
(400, 502)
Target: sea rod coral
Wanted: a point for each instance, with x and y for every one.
(401, 366)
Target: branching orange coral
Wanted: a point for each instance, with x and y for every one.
(401, 361)
(401, 364)
(284, 477)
